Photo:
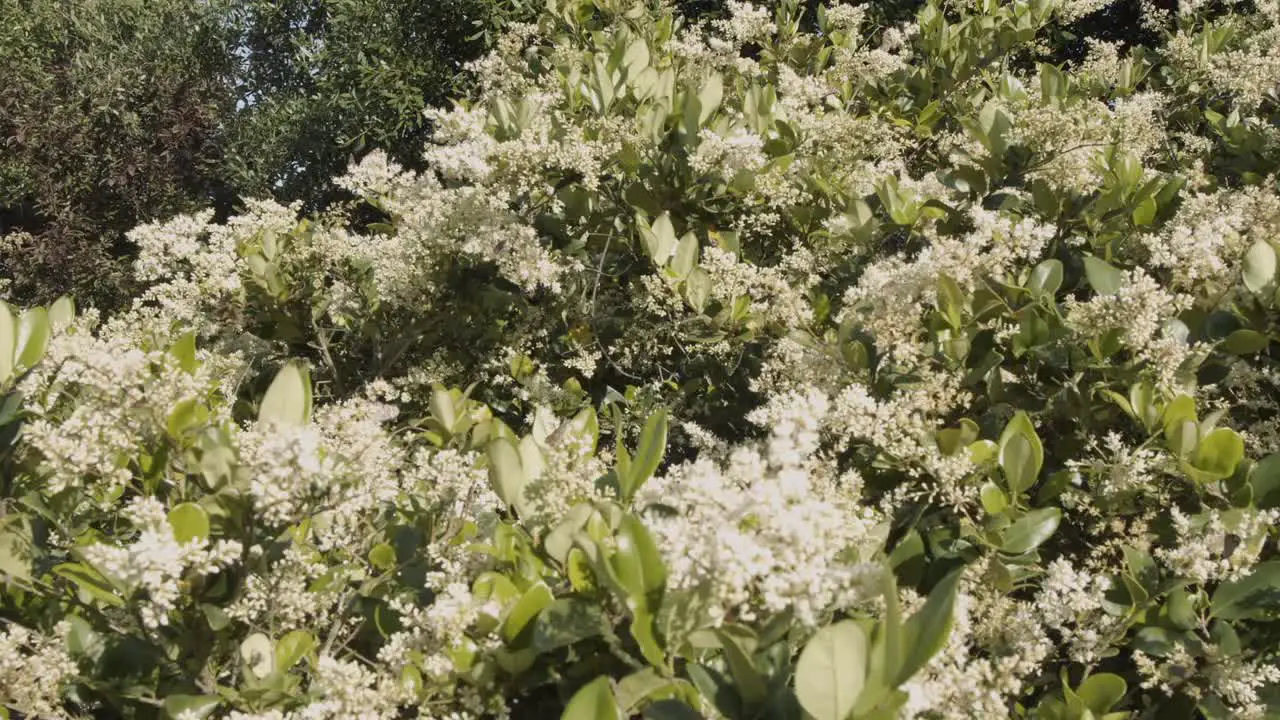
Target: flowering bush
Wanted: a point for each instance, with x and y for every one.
(777, 367)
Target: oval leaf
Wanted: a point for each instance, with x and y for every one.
(832, 670)
(288, 400)
(1031, 530)
(593, 701)
(189, 521)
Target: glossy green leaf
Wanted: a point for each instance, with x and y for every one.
(1046, 278)
(1103, 277)
(506, 473)
(709, 97)
(831, 671)
(926, 632)
(292, 647)
(189, 521)
(1219, 453)
(8, 341)
(1256, 596)
(33, 337)
(1100, 692)
(1021, 453)
(593, 701)
(1245, 342)
(288, 399)
(258, 655)
(653, 444)
(382, 556)
(526, 609)
(1031, 530)
(1259, 266)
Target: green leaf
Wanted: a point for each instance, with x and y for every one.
(62, 313)
(1021, 453)
(994, 501)
(189, 521)
(669, 710)
(526, 609)
(709, 97)
(747, 679)
(184, 351)
(1218, 453)
(382, 556)
(190, 706)
(33, 337)
(8, 341)
(832, 670)
(16, 548)
(258, 655)
(662, 239)
(1101, 692)
(1104, 278)
(637, 565)
(1245, 342)
(1145, 212)
(565, 622)
(90, 582)
(926, 632)
(1259, 266)
(1253, 597)
(288, 399)
(1030, 530)
(1046, 278)
(593, 701)
(653, 444)
(293, 647)
(686, 257)
(1265, 479)
(506, 473)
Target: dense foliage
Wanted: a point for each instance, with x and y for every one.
(863, 365)
(119, 112)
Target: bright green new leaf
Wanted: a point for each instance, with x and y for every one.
(1021, 453)
(62, 313)
(33, 337)
(593, 701)
(189, 521)
(292, 647)
(382, 556)
(1219, 452)
(709, 97)
(1259, 266)
(637, 564)
(506, 474)
(288, 399)
(653, 445)
(832, 670)
(8, 341)
(526, 609)
(258, 655)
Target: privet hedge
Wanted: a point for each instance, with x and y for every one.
(777, 367)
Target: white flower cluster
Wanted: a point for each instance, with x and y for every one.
(34, 671)
(765, 532)
(155, 563)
